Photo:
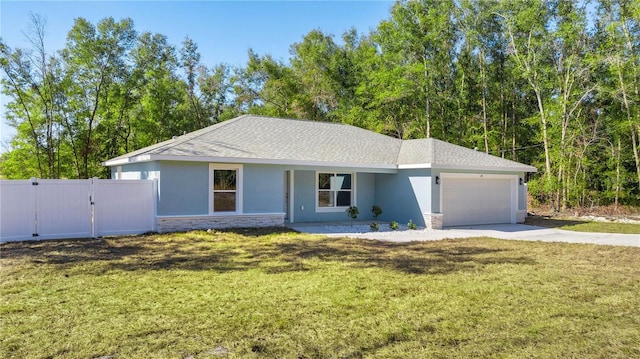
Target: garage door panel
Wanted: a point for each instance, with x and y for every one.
(476, 201)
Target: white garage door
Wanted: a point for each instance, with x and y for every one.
(476, 200)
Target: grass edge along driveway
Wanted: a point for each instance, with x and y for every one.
(267, 294)
(579, 225)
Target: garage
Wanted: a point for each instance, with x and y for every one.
(478, 199)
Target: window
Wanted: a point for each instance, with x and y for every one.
(226, 183)
(335, 190)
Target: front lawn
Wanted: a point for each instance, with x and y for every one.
(289, 295)
(579, 225)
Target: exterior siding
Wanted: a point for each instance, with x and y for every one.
(263, 189)
(183, 188)
(522, 195)
(136, 171)
(404, 196)
(409, 194)
(366, 192)
(304, 206)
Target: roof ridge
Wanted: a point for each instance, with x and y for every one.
(318, 122)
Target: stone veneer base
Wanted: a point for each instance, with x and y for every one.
(433, 220)
(188, 223)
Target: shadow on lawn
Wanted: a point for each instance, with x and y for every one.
(548, 222)
(284, 252)
(414, 258)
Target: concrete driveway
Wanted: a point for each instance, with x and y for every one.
(502, 231)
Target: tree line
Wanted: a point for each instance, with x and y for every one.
(555, 84)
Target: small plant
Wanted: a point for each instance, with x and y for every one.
(411, 225)
(353, 213)
(376, 211)
(374, 226)
(393, 225)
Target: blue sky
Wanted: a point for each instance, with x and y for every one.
(223, 30)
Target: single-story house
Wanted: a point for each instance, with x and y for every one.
(263, 171)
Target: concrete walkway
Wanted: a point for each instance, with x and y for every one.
(501, 231)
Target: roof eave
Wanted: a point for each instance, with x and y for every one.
(268, 161)
(522, 168)
(386, 167)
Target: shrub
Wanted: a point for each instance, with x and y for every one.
(377, 211)
(393, 225)
(374, 226)
(411, 225)
(353, 213)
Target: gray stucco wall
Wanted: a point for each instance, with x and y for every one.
(404, 196)
(144, 170)
(183, 188)
(522, 194)
(366, 192)
(263, 189)
(304, 208)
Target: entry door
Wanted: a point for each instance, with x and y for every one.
(476, 200)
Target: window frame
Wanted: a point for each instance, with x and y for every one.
(335, 208)
(239, 190)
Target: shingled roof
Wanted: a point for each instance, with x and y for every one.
(259, 139)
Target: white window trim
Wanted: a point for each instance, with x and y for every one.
(239, 190)
(335, 209)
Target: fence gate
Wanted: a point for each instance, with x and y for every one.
(50, 209)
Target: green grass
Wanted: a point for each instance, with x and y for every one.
(288, 295)
(604, 227)
(577, 225)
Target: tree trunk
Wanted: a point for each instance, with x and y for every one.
(617, 196)
(427, 97)
(632, 126)
(485, 124)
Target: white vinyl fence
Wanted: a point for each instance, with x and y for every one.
(39, 209)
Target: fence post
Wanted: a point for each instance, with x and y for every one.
(92, 199)
(34, 204)
(154, 217)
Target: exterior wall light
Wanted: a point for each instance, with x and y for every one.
(521, 181)
(437, 179)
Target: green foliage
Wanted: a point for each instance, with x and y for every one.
(526, 80)
(108, 92)
(393, 225)
(353, 213)
(376, 211)
(411, 225)
(374, 226)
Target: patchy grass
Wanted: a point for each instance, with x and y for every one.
(288, 295)
(573, 224)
